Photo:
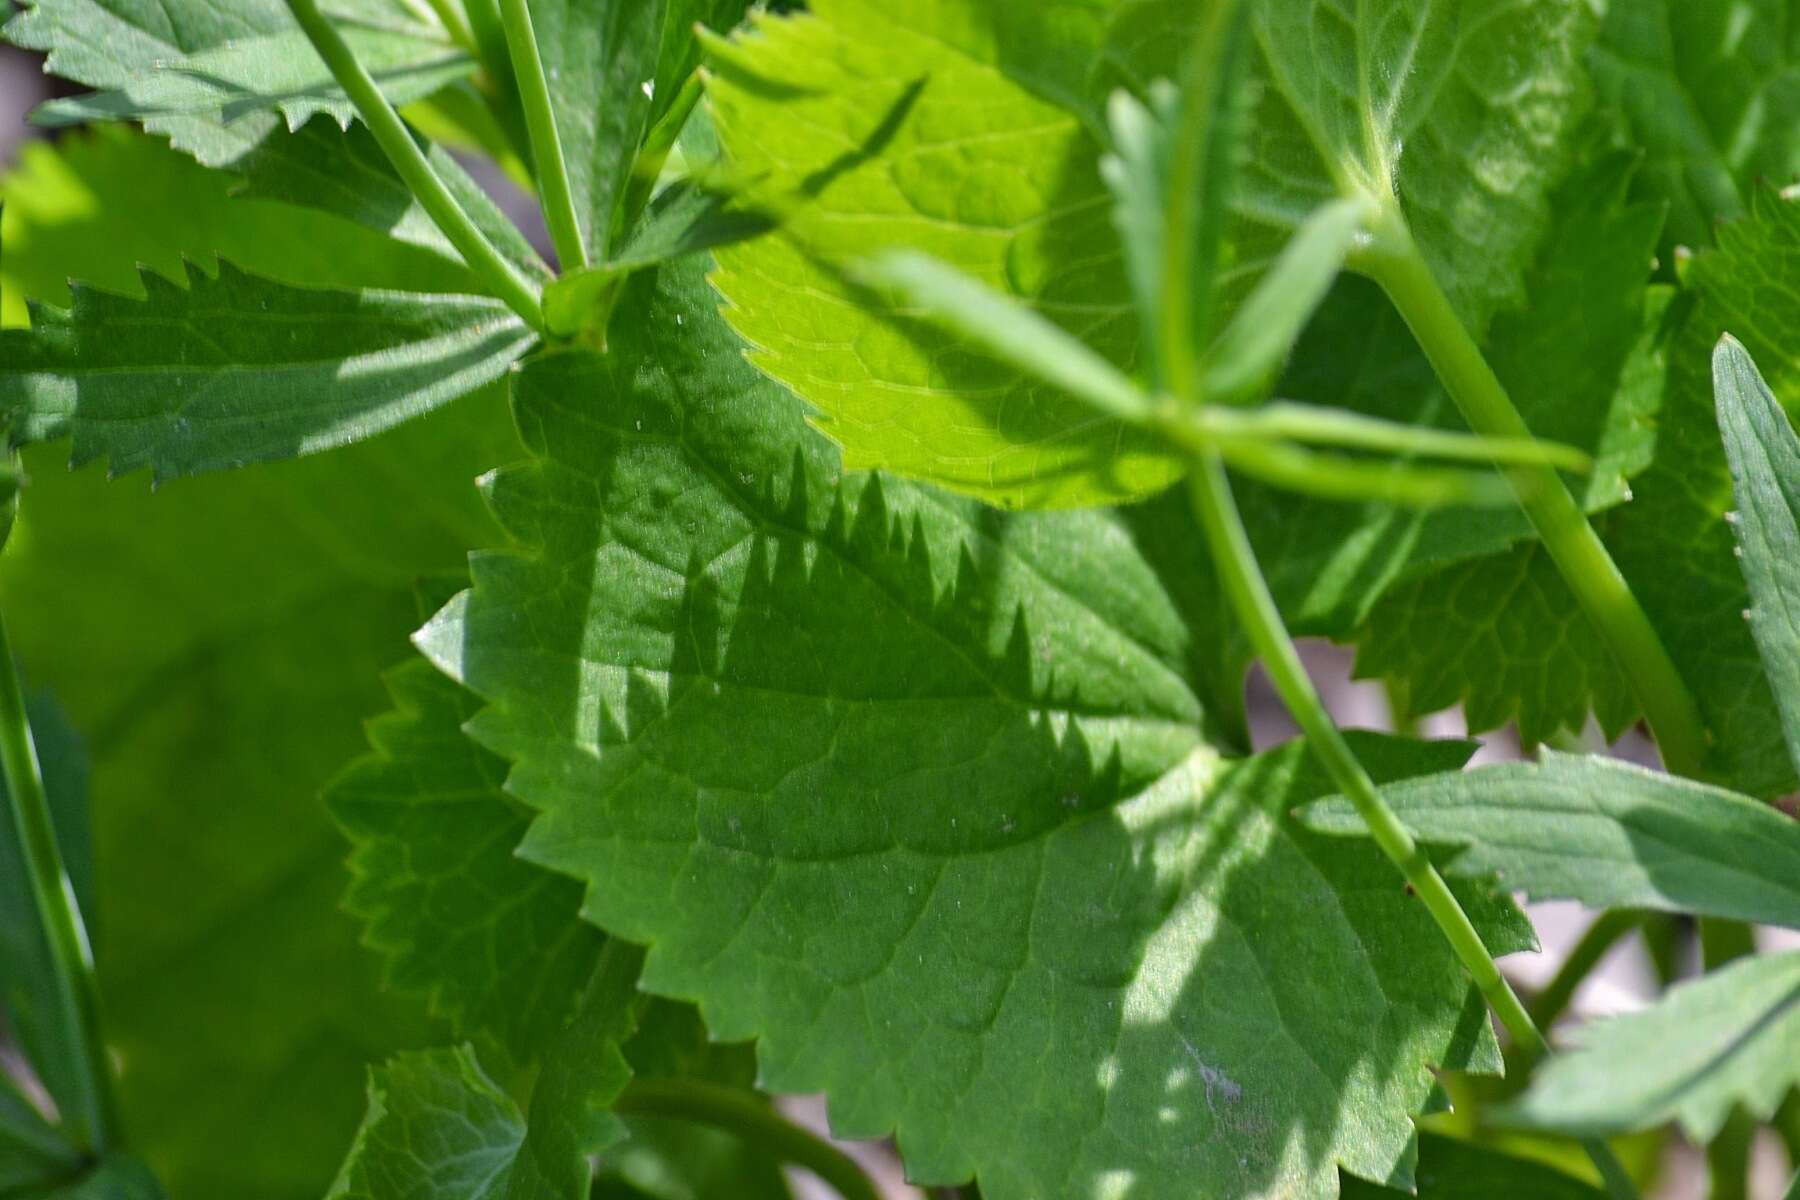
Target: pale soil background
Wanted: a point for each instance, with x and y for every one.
(1624, 981)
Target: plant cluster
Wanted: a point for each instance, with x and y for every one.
(835, 682)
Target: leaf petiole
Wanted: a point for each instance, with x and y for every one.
(741, 1113)
(1233, 557)
(403, 152)
(92, 1118)
(1394, 261)
(546, 147)
(1320, 425)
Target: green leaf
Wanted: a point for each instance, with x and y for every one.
(1502, 636)
(584, 1072)
(108, 43)
(29, 998)
(220, 672)
(198, 66)
(225, 661)
(437, 1128)
(685, 218)
(1606, 833)
(907, 790)
(1254, 346)
(235, 369)
(1730, 1039)
(219, 668)
(346, 173)
(62, 220)
(1452, 1169)
(1462, 110)
(1009, 331)
(615, 67)
(493, 940)
(279, 71)
(1708, 91)
(1672, 541)
(873, 113)
(1765, 470)
(1136, 172)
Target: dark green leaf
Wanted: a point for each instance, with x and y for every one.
(437, 1128)
(1765, 471)
(1607, 833)
(1451, 1169)
(1672, 541)
(1729, 1039)
(220, 671)
(584, 1071)
(905, 789)
(1462, 109)
(686, 218)
(235, 369)
(494, 941)
(1503, 637)
(344, 172)
(62, 221)
(1709, 91)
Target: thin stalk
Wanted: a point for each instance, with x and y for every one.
(92, 1117)
(456, 24)
(1793, 1192)
(554, 192)
(1393, 260)
(497, 85)
(1235, 560)
(397, 143)
(743, 1114)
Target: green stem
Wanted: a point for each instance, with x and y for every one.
(92, 1116)
(1606, 931)
(554, 193)
(450, 16)
(1793, 1192)
(1235, 560)
(403, 152)
(497, 85)
(751, 1118)
(1393, 260)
